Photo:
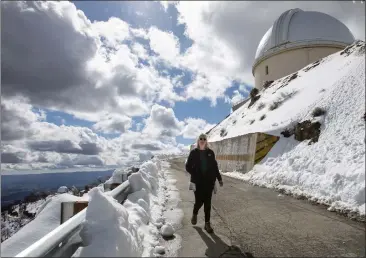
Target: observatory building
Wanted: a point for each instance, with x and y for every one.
(297, 38)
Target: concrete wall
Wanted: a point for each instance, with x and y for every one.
(235, 154)
(288, 62)
(241, 153)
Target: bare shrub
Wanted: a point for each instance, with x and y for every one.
(223, 132)
(253, 92)
(288, 132)
(261, 106)
(318, 112)
(275, 105)
(262, 117)
(266, 84)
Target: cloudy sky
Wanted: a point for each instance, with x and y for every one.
(104, 84)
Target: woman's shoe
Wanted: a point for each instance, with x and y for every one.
(208, 227)
(194, 219)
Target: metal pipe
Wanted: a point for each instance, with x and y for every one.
(57, 238)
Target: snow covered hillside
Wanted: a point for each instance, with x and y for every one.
(47, 219)
(20, 215)
(330, 171)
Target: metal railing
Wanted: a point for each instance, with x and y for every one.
(64, 240)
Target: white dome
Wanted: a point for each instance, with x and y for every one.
(295, 28)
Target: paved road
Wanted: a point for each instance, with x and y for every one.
(263, 223)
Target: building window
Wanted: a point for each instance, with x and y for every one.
(266, 69)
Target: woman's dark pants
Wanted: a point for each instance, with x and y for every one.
(203, 196)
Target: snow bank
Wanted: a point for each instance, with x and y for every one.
(131, 229)
(115, 221)
(47, 219)
(111, 229)
(331, 171)
(118, 177)
(172, 215)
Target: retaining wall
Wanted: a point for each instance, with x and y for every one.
(235, 154)
(241, 153)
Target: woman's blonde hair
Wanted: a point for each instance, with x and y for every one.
(198, 139)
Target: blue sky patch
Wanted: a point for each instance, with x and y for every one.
(202, 109)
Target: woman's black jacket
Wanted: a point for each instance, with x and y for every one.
(193, 167)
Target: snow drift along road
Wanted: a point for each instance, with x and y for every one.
(111, 229)
(331, 171)
(131, 229)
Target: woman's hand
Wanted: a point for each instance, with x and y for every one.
(221, 183)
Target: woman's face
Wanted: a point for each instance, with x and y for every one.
(202, 141)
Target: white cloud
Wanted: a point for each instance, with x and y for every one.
(236, 97)
(162, 124)
(140, 50)
(244, 89)
(49, 146)
(113, 124)
(194, 127)
(211, 88)
(17, 118)
(94, 65)
(114, 31)
(165, 44)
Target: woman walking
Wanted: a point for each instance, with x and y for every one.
(202, 166)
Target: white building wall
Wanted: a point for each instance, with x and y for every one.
(288, 62)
